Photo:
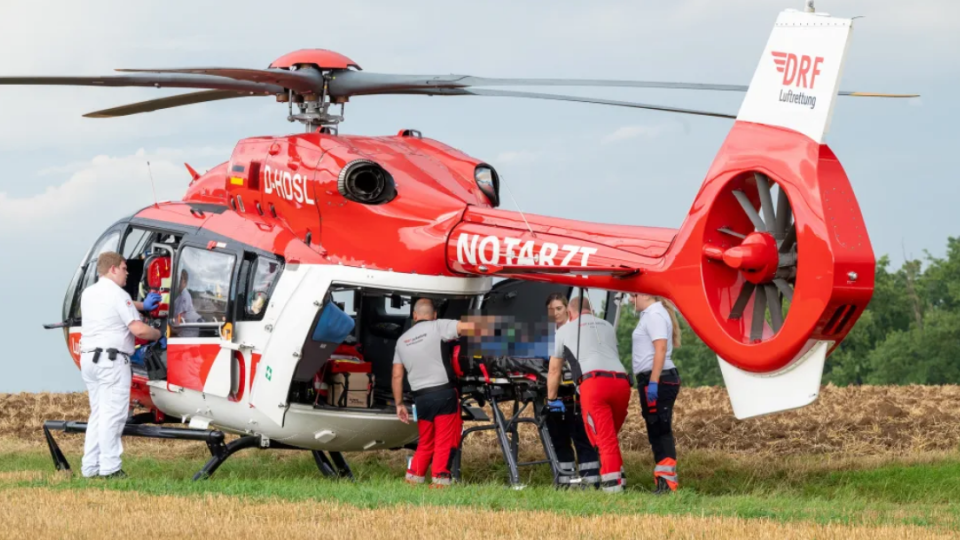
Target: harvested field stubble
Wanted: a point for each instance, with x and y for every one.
(853, 421)
(40, 512)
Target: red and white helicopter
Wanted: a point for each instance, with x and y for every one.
(263, 242)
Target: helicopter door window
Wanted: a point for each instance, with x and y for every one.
(265, 274)
(202, 301)
(133, 244)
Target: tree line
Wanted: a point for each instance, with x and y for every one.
(908, 334)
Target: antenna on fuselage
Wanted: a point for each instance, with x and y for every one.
(529, 228)
(153, 186)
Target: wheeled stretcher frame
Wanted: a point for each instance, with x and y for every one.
(523, 393)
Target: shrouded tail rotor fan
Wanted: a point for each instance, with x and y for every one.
(759, 245)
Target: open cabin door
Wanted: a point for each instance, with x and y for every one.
(200, 345)
(290, 318)
(525, 305)
(527, 300)
(524, 300)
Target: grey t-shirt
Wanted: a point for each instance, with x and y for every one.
(418, 349)
(598, 344)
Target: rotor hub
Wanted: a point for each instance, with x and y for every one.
(757, 257)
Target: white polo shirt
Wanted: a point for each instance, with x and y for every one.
(107, 311)
(654, 324)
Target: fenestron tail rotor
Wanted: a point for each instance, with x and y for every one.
(765, 257)
(315, 79)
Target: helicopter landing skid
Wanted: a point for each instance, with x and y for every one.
(333, 467)
(133, 429)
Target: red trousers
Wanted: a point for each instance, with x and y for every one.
(605, 403)
(440, 432)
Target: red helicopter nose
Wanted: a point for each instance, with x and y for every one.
(757, 257)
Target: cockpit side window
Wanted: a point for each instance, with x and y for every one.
(110, 242)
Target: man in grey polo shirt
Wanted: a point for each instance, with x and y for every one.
(436, 400)
(589, 345)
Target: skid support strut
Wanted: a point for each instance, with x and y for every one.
(506, 429)
(219, 450)
(211, 437)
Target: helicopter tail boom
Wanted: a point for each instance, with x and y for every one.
(772, 266)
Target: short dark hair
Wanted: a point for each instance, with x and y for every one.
(556, 296)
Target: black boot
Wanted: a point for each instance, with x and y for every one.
(115, 475)
(662, 487)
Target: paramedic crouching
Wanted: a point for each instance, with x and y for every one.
(603, 384)
(436, 400)
(110, 322)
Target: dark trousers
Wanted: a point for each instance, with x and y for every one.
(660, 422)
(568, 434)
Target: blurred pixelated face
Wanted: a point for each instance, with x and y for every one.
(557, 312)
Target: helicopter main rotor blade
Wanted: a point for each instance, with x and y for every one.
(346, 83)
(304, 82)
(354, 83)
(167, 103)
(158, 80)
(560, 97)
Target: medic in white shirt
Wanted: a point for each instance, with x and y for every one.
(658, 381)
(110, 323)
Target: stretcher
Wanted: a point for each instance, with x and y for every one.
(500, 380)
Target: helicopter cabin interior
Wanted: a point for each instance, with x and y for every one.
(208, 286)
(357, 373)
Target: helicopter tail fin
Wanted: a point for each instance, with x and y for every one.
(797, 80)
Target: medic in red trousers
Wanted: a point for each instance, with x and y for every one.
(590, 347)
(436, 400)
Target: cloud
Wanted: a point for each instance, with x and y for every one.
(517, 156)
(640, 131)
(99, 191)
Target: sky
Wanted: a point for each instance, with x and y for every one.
(66, 178)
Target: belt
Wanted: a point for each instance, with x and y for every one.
(671, 371)
(111, 354)
(432, 389)
(608, 374)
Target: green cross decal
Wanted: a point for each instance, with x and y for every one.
(269, 373)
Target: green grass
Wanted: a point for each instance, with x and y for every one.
(778, 489)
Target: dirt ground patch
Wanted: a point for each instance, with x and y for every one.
(47, 513)
(853, 421)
